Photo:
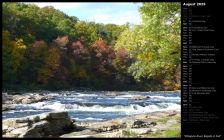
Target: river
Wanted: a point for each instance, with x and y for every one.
(98, 105)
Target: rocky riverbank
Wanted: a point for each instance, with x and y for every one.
(150, 125)
(161, 116)
(59, 124)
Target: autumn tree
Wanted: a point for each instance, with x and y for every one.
(50, 67)
(13, 56)
(104, 54)
(79, 61)
(122, 60)
(61, 42)
(43, 48)
(87, 31)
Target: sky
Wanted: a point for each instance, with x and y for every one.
(100, 12)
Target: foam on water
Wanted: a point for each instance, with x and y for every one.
(86, 95)
(125, 96)
(88, 119)
(166, 98)
(130, 109)
(98, 106)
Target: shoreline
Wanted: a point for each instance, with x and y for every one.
(20, 92)
(147, 125)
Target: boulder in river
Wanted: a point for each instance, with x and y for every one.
(140, 97)
(7, 107)
(51, 124)
(27, 99)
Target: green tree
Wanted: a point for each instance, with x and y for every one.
(13, 56)
(87, 31)
(155, 44)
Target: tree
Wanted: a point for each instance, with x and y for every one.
(155, 44)
(104, 55)
(47, 49)
(33, 62)
(78, 50)
(122, 60)
(13, 55)
(50, 67)
(61, 41)
(110, 32)
(87, 31)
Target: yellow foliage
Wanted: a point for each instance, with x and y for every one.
(177, 87)
(150, 56)
(13, 47)
(20, 44)
(147, 57)
(166, 83)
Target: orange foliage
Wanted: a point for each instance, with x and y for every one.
(61, 41)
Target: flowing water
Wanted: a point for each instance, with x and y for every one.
(98, 106)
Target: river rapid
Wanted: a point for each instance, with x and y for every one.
(99, 105)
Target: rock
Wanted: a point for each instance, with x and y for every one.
(33, 99)
(8, 102)
(35, 119)
(9, 135)
(27, 101)
(4, 129)
(79, 134)
(142, 124)
(172, 113)
(39, 98)
(56, 116)
(17, 99)
(49, 97)
(109, 134)
(110, 126)
(7, 107)
(19, 131)
(22, 99)
(72, 136)
(138, 124)
(44, 125)
(140, 97)
(36, 130)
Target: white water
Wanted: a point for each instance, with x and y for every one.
(131, 109)
(98, 106)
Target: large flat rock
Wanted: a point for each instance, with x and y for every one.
(51, 124)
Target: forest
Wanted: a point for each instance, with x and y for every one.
(43, 48)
